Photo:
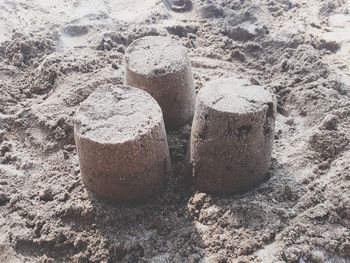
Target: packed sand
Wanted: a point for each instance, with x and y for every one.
(232, 136)
(54, 54)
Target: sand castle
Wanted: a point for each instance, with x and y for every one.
(121, 139)
(232, 136)
(160, 66)
(121, 142)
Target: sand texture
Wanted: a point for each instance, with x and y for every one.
(121, 143)
(54, 54)
(232, 136)
(160, 66)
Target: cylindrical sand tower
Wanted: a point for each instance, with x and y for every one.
(232, 136)
(121, 143)
(160, 66)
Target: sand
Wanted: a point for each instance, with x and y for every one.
(54, 54)
(121, 142)
(232, 136)
(161, 67)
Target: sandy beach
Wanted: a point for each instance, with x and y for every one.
(54, 54)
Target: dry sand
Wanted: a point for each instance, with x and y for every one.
(53, 54)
